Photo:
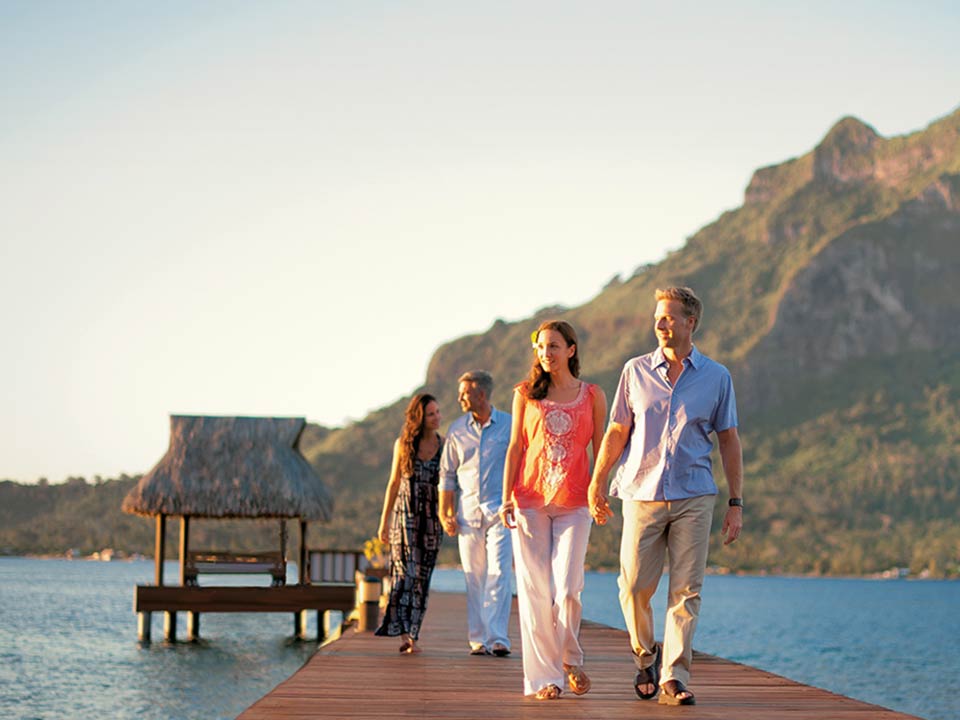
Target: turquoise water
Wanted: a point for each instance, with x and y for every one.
(68, 646)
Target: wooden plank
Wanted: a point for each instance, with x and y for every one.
(291, 598)
(360, 676)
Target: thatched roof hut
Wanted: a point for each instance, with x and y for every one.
(232, 467)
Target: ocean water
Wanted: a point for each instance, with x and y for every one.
(68, 646)
(888, 642)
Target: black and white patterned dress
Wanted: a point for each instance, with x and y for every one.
(415, 535)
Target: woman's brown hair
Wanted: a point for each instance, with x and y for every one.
(412, 431)
(537, 383)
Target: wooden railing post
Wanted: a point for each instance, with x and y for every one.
(368, 601)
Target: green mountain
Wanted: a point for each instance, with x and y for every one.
(831, 295)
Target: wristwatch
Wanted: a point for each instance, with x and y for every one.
(735, 502)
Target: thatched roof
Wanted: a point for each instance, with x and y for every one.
(239, 467)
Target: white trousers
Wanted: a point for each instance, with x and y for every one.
(486, 554)
(550, 544)
(651, 531)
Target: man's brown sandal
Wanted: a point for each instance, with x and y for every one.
(649, 676)
(673, 688)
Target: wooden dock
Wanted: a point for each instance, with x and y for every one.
(364, 677)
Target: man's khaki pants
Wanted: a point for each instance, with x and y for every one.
(650, 531)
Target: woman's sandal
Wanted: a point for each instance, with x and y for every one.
(548, 692)
(577, 678)
(673, 688)
(649, 676)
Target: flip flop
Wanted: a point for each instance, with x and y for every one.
(672, 688)
(547, 692)
(649, 676)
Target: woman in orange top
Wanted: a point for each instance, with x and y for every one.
(545, 479)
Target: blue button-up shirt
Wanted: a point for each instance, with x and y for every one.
(472, 464)
(668, 454)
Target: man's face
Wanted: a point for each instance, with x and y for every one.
(470, 396)
(674, 329)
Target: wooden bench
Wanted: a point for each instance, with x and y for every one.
(222, 563)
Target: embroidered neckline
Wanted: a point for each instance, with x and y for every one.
(577, 399)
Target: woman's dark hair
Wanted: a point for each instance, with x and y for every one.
(537, 383)
(412, 431)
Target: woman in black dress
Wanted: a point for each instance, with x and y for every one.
(410, 521)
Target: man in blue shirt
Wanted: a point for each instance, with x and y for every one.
(471, 488)
(667, 404)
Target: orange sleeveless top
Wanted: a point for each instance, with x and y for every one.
(554, 467)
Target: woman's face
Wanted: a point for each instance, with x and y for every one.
(553, 352)
(431, 416)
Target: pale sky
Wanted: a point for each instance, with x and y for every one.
(283, 208)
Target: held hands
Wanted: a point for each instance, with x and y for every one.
(599, 507)
(732, 524)
(450, 526)
(506, 515)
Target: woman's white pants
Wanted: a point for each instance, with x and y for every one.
(549, 545)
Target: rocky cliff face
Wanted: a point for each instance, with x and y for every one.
(881, 221)
(878, 289)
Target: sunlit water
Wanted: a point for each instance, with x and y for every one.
(68, 646)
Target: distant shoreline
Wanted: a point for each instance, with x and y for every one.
(880, 577)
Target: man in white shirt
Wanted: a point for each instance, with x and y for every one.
(471, 488)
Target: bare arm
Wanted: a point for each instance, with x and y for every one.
(731, 457)
(448, 511)
(511, 465)
(390, 497)
(599, 419)
(614, 441)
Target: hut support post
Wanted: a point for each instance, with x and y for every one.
(159, 549)
(170, 618)
(144, 623)
(301, 619)
(193, 626)
(184, 547)
(145, 619)
(302, 560)
(323, 620)
(170, 627)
